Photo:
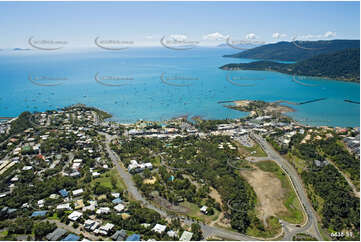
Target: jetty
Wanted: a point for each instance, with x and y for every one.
(225, 101)
(311, 101)
(350, 101)
(300, 103)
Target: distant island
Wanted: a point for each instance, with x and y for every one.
(19, 49)
(341, 65)
(297, 50)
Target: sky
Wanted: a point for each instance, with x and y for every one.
(77, 24)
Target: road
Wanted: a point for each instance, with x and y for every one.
(207, 230)
(311, 224)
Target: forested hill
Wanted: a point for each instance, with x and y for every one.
(341, 65)
(296, 51)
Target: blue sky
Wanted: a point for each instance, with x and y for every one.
(144, 23)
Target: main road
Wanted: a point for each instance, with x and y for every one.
(311, 223)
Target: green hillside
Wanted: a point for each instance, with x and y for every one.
(341, 65)
(296, 51)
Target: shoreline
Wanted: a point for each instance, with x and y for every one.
(282, 109)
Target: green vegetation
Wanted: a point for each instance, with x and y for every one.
(273, 229)
(194, 160)
(303, 237)
(331, 149)
(21, 123)
(209, 125)
(291, 202)
(342, 65)
(288, 51)
(340, 211)
(110, 179)
(330, 194)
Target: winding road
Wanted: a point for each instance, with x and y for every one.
(289, 230)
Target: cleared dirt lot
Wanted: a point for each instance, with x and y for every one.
(269, 191)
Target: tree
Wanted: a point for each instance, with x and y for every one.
(197, 232)
(43, 228)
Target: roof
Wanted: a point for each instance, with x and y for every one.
(119, 207)
(120, 235)
(38, 213)
(71, 237)
(186, 236)
(107, 227)
(159, 228)
(56, 234)
(133, 237)
(75, 215)
(63, 192)
(117, 200)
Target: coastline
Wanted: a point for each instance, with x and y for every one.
(290, 74)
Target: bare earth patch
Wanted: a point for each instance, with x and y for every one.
(269, 191)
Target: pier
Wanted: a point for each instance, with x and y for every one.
(311, 101)
(350, 101)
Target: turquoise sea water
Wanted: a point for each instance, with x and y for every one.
(158, 83)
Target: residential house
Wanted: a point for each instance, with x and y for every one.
(186, 236)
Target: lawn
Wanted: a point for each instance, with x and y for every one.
(105, 179)
(4, 233)
(257, 148)
(291, 202)
(194, 212)
(54, 217)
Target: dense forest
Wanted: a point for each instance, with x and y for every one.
(332, 198)
(342, 65)
(296, 51)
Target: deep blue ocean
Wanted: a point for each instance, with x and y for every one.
(159, 83)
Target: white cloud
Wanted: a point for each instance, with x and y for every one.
(215, 36)
(278, 35)
(251, 36)
(329, 34)
(149, 37)
(310, 36)
(178, 37)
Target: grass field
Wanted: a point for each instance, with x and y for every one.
(4, 233)
(291, 202)
(105, 179)
(273, 229)
(257, 148)
(194, 212)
